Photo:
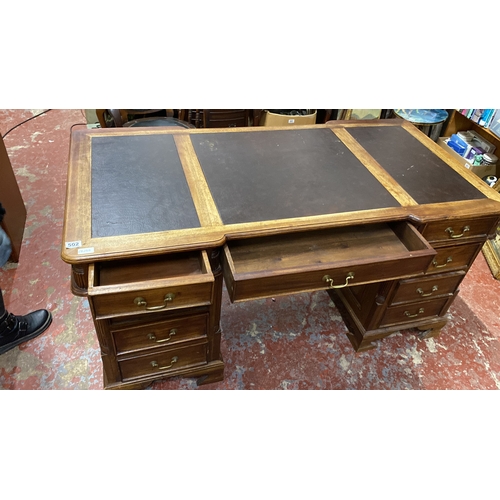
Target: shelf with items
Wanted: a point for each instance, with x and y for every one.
(459, 122)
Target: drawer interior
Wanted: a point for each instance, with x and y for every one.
(314, 260)
(151, 268)
(285, 253)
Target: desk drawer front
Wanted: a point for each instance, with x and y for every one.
(415, 311)
(459, 230)
(148, 285)
(414, 290)
(164, 362)
(148, 301)
(160, 334)
(454, 258)
(269, 266)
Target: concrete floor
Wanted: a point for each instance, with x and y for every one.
(294, 342)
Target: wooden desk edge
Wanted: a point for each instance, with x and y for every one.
(215, 237)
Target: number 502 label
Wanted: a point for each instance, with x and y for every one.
(73, 244)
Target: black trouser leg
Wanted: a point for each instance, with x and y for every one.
(2, 306)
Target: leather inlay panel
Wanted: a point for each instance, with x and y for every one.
(138, 186)
(421, 173)
(281, 174)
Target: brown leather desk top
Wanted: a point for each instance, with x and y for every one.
(425, 176)
(280, 174)
(138, 186)
(147, 191)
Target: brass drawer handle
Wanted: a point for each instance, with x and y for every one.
(450, 231)
(174, 360)
(139, 302)
(448, 260)
(433, 289)
(329, 280)
(410, 315)
(171, 333)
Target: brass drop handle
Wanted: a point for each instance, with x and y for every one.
(171, 333)
(450, 231)
(139, 302)
(410, 315)
(174, 360)
(329, 280)
(448, 260)
(433, 289)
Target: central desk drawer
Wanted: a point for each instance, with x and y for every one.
(333, 258)
(147, 285)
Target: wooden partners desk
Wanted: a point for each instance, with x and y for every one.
(372, 212)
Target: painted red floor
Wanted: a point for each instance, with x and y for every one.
(294, 342)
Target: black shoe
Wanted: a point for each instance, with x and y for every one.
(15, 330)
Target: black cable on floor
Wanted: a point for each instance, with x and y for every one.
(19, 124)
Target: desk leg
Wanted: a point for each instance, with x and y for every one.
(363, 339)
(217, 376)
(433, 330)
(215, 309)
(355, 331)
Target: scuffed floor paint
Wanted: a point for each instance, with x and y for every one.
(288, 343)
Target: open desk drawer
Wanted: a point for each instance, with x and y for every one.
(333, 258)
(150, 284)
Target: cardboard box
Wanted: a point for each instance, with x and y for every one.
(268, 119)
(485, 145)
(479, 170)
